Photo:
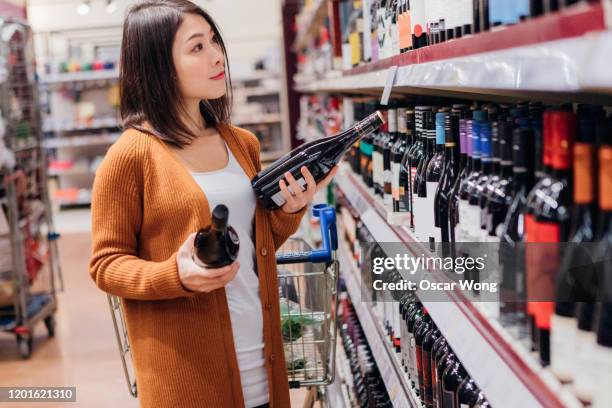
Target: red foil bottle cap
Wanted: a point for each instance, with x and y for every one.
(562, 127)
(384, 128)
(546, 133)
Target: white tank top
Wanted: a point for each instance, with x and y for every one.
(231, 186)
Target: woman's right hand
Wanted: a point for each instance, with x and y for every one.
(200, 279)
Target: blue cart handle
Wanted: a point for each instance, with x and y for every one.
(329, 237)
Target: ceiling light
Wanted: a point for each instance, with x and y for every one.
(83, 8)
(111, 6)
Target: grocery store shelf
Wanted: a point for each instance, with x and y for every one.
(495, 361)
(80, 77)
(96, 125)
(98, 140)
(308, 22)
(71, 172)
(264, 118)
(391, 372)
(508, 61)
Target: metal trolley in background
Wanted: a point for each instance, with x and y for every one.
(308, 288)
(29, 262)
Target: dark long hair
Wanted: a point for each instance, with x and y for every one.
(148, 83)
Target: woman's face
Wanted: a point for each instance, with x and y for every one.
(198, 60)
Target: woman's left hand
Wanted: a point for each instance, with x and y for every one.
(299, 199)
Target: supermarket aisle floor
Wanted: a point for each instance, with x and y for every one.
(84, 352)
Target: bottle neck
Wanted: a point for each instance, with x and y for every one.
(486, 166)
(506, 170)
(605, 223)
(463, 161)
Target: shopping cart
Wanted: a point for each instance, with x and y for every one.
(308, 287)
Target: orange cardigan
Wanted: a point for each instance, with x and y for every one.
(145, 203)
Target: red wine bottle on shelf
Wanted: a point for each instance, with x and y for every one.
(477, 194)
(319, 156)
(548, 223)
(465, 165)
(428, 343)
(397, 154)
(449, 173)
(420, 332)
(432, 179)
(420, 186)
(602, 353)
(216, 245)
(498, 193)
(469, 216)
(577, 266)
(414, 320)
(497, 122)
(512, 257)
(404, 182)
(452, 377)
(440, 344)
(467, 393)
(414, 155)
(387, 157)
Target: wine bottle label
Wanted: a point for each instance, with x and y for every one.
(586, 376)
(396, 321)
(389, 36)
(542, 266)
(432, 232)
(382, 33)
(355, 42)
(583, 167)
(602, 397)
(563, 347)
(464, 406)
(413, 359)
(420, 229)
(405, 30)
(469, 220)
(395, 182)
(375, 157)
(346, 55)
(605, 178)
(379, 169)
(280, 200)
(448, 399)
(374, 46)
(395, 47)
(387, 182)
(367, 28)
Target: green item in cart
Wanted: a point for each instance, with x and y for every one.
(292, 328)
(298, 364)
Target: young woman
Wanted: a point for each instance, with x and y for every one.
(200, 337)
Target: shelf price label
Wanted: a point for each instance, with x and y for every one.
(391, 73)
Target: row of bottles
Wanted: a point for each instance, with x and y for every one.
(524, 179)
(429, 364)
(368, 388)
(379, 29)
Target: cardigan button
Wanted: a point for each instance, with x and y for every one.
(268, 306)
(264, 252)
(271, 358)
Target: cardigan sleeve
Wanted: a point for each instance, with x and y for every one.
(283, 224)
(116, 211)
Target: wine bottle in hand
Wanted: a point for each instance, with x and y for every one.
(216, 245)
(319, 156)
